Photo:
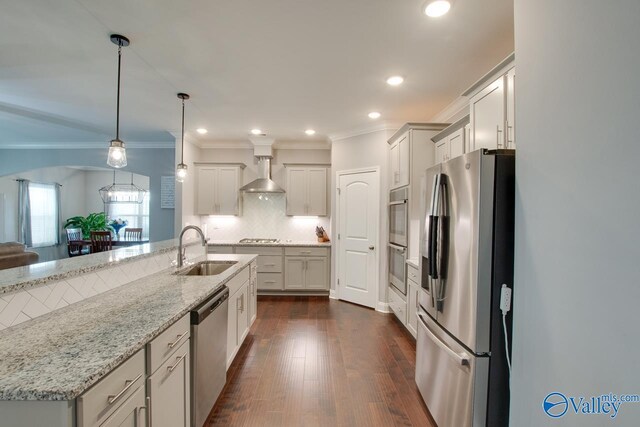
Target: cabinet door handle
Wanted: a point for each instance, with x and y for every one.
(178, 360)
(149, 412)
(127, 385)
(173, 344)
(509, 134)
(498, 133)
(139, 411)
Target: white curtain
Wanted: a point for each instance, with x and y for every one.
(24, 213)
(44, 209)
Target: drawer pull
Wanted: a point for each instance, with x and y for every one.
(127, 385)
(175, 365)
(305, 252)
(173, 344)
(269, 281)
(269, 265)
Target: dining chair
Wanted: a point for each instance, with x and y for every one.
(75, 245)
(133, 234)
(101, 241)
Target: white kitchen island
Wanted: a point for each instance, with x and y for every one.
(88, 363)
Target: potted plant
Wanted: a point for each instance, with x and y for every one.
(96, 221)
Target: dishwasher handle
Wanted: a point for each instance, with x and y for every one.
(209, 306)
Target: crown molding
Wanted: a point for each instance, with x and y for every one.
(80, 145)
(277, 145)
(385, 126)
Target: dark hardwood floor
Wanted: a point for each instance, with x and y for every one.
(311, 361)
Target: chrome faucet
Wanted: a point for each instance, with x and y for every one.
(181, 251)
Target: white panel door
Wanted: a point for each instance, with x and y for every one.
(296, 191)
(206, 179)
(488, 117)
(227, 191)
(358, 226)
(317, 191)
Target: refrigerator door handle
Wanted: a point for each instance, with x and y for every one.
(461, 358)
(443, 231)
(433, 228)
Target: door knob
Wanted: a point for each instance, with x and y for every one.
(371, 248)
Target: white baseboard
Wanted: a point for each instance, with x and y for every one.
(333, 294)
(383, 307)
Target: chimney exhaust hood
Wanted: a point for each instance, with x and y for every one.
(264, 184)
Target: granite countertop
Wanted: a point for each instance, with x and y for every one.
(282, 243)
(37, 274)
(61, 354)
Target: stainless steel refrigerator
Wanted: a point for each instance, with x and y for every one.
(466, 254)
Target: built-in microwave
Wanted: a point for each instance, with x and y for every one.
(399, 217)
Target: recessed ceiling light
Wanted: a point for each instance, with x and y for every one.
(395, 80)
(256, 131)
(437, 8)
(310, 132)
(374, 115)
(201, 131)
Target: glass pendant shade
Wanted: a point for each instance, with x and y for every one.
(117, 157)
(122, 193)
(181, 172)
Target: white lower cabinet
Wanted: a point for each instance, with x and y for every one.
(412, 307)
(306, 273)
(131, 413)
(242, 305)
(306, 269)
(398, 305)
(168, 390)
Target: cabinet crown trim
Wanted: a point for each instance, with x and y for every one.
(452, 128)
(493, 74)
(240, 165)
(415, 126)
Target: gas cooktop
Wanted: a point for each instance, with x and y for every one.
(259, 240)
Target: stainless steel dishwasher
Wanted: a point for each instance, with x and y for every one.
(208, 354)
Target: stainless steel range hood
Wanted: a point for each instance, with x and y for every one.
(264, 183)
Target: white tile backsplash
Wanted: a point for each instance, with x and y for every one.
(263, 216)
(20, 306)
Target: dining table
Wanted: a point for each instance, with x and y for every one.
(119, 242)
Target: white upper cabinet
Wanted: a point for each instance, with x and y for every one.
(217, 189)
(453, 143)
(306, 190)
(400, 166)
(493, 115)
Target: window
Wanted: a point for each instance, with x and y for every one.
(136, 214)
(43, 202)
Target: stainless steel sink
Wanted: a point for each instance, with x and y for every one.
(208, 268)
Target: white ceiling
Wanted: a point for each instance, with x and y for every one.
(280, 65)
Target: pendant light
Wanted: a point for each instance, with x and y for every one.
(181, 169)
(122, 193)
(117, 157)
